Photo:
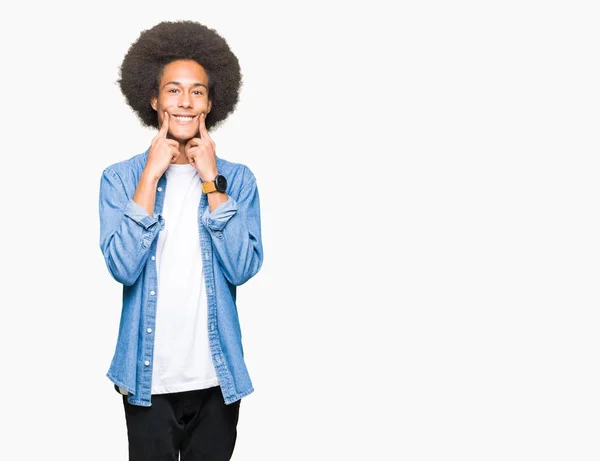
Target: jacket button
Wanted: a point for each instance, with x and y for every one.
(147, 362)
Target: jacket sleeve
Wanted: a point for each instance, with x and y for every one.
(126, 230)
(234, 227)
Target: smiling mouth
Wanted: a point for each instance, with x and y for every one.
(184, 118)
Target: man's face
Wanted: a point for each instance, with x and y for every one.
(183, 94)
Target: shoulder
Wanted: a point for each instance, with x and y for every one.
(130, 167)
(235, 172)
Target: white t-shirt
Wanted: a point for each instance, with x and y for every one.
(182, 359)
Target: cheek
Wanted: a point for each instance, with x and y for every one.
(167, 102)
(202, 103)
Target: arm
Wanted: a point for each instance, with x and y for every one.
(235, 231)
(127, 230)
(128, 226)
(145, 192)
(234, 226)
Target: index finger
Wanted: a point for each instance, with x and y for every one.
(164, 128)
(202, 127)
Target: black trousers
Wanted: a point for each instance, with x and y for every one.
(197, 425)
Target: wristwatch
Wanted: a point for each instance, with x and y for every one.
(219, 184)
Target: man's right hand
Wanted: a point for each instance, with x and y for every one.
(163, 151)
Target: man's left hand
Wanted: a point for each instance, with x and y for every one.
(201, 153)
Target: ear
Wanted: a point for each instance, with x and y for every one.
(153, 102)
(209, 106)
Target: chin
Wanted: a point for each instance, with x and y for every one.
(182, 136)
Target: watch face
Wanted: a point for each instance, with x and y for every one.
(221, 183)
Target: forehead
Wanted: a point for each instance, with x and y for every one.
(184, 71)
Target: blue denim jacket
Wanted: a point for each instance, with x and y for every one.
(230, 239)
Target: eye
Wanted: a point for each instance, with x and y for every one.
(173, 90)
(199, 93)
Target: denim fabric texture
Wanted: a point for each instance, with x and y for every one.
(230, 240)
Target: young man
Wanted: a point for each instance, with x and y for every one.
(180, 229)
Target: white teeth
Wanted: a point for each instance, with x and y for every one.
(183, 119)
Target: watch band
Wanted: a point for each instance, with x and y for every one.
(208, 187)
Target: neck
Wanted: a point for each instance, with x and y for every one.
(182, 159)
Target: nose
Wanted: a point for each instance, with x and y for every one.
(185, 100)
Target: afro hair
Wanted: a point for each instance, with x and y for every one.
(142, 67)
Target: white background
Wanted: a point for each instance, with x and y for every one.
(429, 193)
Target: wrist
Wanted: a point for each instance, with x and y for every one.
(149, 177)
(210, 176)
(217, 184)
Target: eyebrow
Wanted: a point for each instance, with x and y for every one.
(179, 84)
